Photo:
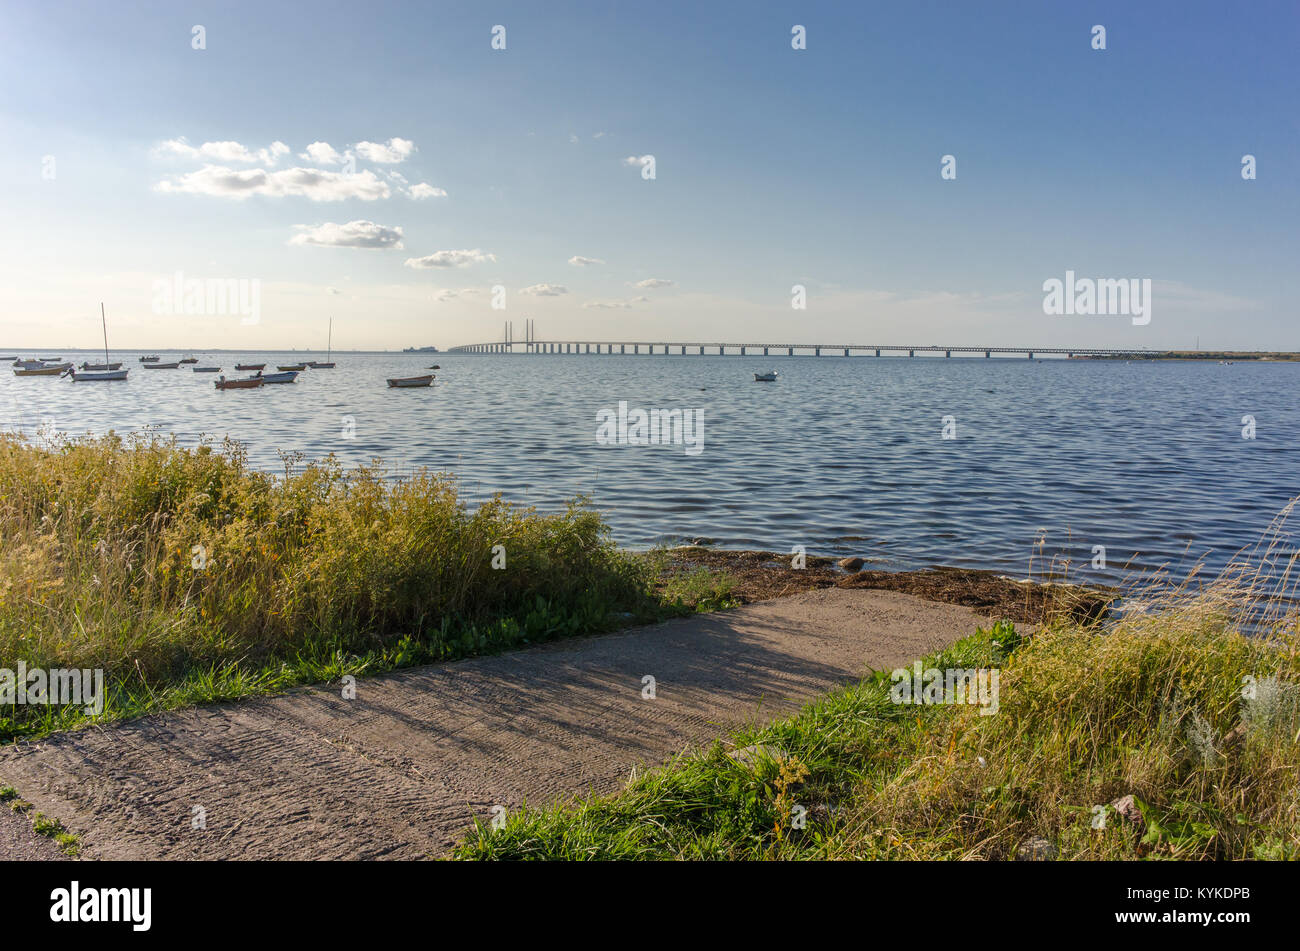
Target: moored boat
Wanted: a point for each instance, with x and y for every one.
(57, 369)
(97, 367)
(161, 366)
(189, 360)
(768, 377)
(149, 359)
(250, 366)
(91, 375)
(287, 377)
(207, 369)
(406, 382)
(250, 383)
(326, 364)
(292, 368)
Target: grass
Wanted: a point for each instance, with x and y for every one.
(1173, 704)
(188, 577)
(68, 842)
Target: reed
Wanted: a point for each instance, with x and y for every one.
(188, 576)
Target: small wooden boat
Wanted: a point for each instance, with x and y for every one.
(293, 368)
(250, 366)
(768, 377)
(52, 359)
(57, 369)
(189, 360)
(97, 367)
(88, 375)
(251, 383)
(8, 359)
(434, 367)
(148, 359)
(207, 369)
(287, 377)
(161, 366)
(411, 381)
(29, 364)
(320, 366)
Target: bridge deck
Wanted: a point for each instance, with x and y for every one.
(671, 348)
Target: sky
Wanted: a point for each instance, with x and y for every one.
(383, 165)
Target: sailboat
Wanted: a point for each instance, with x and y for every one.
(111, 371)
(329, 349)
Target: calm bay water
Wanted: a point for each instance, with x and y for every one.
(842, 456)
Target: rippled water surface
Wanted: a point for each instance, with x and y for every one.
(843, 456)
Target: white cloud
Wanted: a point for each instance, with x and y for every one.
(653, 282)
(545, 290)
(354, 234)
(386, 153)
(637, 160)
(447, 293)
(223, 151)
(322, 153)
(599, 135)
(606, 304)
(445, 259)
(425, 190)
(579, 261)
(573, 138)
(333, 291)
(313, 183)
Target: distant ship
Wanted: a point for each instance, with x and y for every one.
(420, 350)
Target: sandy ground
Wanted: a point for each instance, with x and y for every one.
(401, 770)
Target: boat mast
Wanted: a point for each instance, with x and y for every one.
(329, 347)
(104, 323)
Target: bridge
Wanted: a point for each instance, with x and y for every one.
(660, 348)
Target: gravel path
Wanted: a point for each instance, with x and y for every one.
(401, 770)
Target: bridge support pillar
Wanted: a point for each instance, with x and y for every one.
(722, 351)
(622, 348)
(742, 351)
(1031, 354)
(911, 353)
(790, 352)
(877, 351)
(987, 354)
(817, 351)
(947, 353)
(846, 351)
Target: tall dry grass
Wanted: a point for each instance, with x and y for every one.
(186, 574)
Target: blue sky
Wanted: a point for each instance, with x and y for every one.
(774, 167)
